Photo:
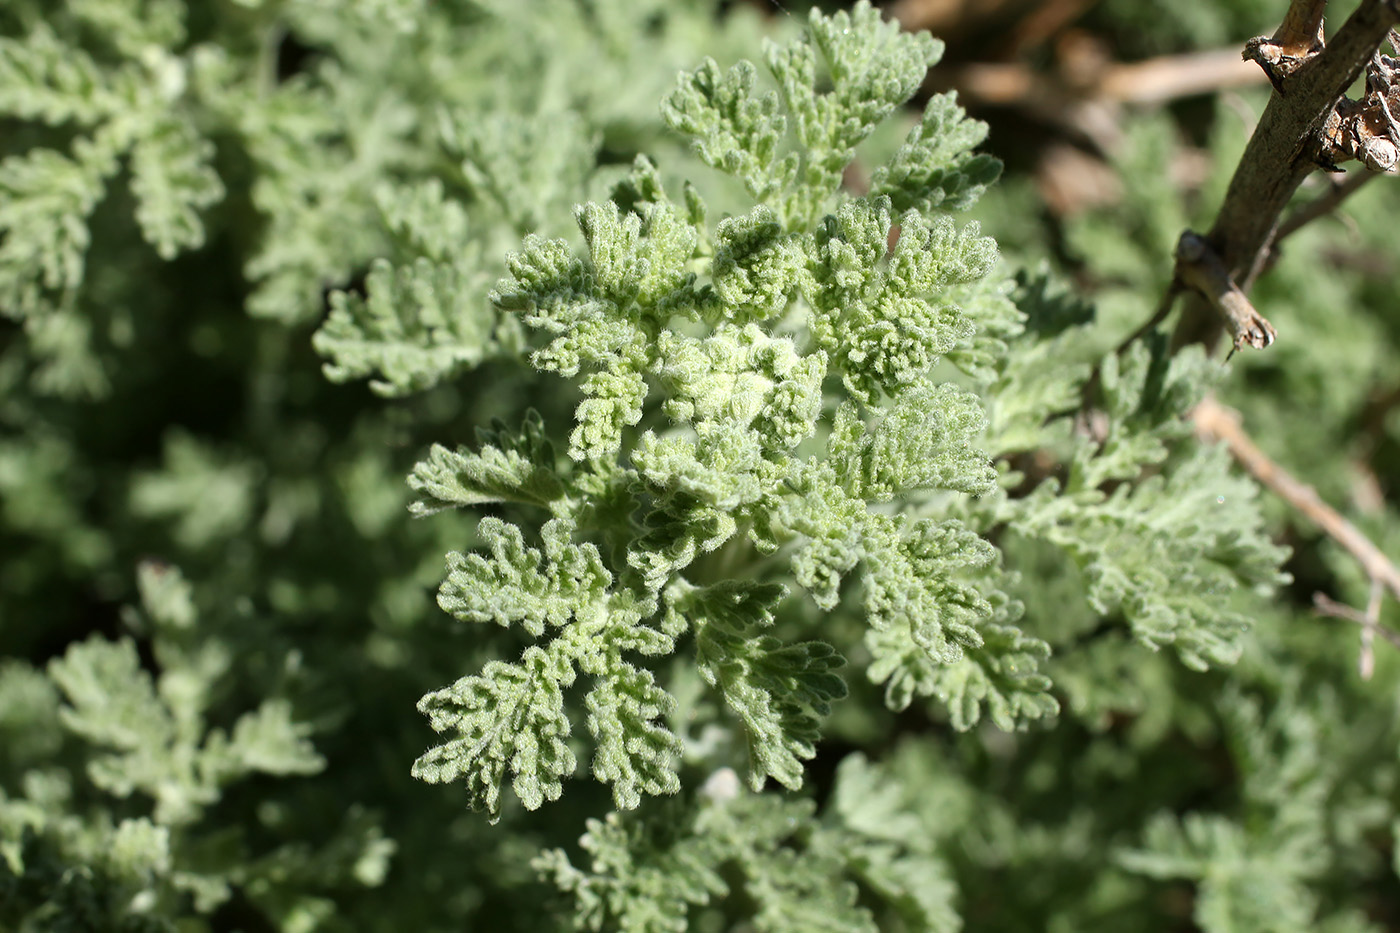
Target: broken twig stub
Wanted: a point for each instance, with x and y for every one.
(1298, 39)
(1201, 269)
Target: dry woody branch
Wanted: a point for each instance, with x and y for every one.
(1200, 269)
(1290, 141)
(1216, 422)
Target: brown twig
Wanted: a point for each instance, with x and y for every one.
(1157, 80)
(1200, 269)
(1084, 96)
(1370, 622)
(942, 17)
(1301, 29)
(1214, 421)
(1154, 80)
(1336, 193)
(1044, 22)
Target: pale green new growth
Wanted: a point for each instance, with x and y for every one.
(785, 400)
(871, 68)
(708, 427)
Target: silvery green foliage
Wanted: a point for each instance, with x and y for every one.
(655, 870)
(828, 513)
(183, 122)
(1254, 872)
(1159, 549)
(756, 392)
(145, 743)
(763, 421)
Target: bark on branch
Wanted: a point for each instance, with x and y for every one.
(1199, 269)
(1286, 145)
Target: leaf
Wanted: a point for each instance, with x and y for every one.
(509, 467)
(873, 67)
(551, 289)
(890, 846)
(924, 611)
(603, 309)
(999, 676)
(173, 181)
(612, 403)
(885, 324)
(990, 304)
(152, 742)
(757, 267)
(1042, 374)
(741, 378)
(1244, 886)
(699, 493)
(530, 167)
(45, 78)
(635, 754)
(425, 221)
(269, 740)
(1147, 399)
(780, 692)
(166, 595)
(111, 701)
(644, 874)
(936, 169)
(1167, 553)
(732, 128)
(29, 714)
(416, 326)
(45, 200)
(925, 441)
(911, 583)
(132, 27)
(205, 495)
(645, 871)
(509, 716)
(510, 588)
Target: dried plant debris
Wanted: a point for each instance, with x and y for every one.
(1367, 129)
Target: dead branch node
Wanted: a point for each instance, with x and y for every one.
(1367, 130)
(1297, 40)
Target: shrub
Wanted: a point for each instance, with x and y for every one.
(841, 573)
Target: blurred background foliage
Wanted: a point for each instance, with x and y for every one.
(216, 615)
